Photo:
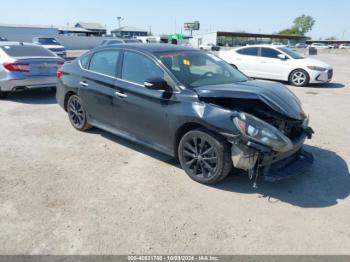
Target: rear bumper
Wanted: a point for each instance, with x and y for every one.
(28, 83)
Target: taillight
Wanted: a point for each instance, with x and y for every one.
(13, 67)
(59, 73)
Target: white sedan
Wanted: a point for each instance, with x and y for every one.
(278, 63)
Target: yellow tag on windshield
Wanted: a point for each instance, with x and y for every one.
(186, 62)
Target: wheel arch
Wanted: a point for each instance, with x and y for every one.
(182, 130)
(296, 69)
(66, 98)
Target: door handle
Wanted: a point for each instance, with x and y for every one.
(83, 83)
(264, 62)
(121, 95)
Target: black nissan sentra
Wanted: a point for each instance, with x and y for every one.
(188, 104)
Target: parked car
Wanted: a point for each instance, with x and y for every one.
(3, 39)
(188, 104)
(117, 41)
(301, 45)
(52, 44)
(278, 63)
(319, 46)
(344, 46)
(209, 47)
(26, 66)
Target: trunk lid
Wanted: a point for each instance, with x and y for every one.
(275, 95)
(41, 66)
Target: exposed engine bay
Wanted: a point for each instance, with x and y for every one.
(256, 158)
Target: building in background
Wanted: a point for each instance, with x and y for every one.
(129, 32)
(25, 33)
(94, 29)
(74, 31)
(241, 39)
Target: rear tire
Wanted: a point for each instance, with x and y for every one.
(3, 95)
(299, 78)
(205, 156)
(77, 113)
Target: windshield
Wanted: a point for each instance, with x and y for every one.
(291, 53)
(196, 68)
(48, 41)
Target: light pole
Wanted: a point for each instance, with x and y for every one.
(119, 18)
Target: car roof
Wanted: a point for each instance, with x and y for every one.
(151, 48)
(5, 43)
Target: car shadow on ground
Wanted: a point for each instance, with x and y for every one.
(327, 181)
(135, 146)
(327, 85)
(35, 97)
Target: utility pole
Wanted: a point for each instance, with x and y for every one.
(120, 19)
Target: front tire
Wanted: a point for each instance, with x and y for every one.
(77, 113)
(204, 156)
(299, 78)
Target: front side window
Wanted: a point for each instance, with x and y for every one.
(194, 68)
(105, 62)
(251, 51)
(269, 53)
(138, 68)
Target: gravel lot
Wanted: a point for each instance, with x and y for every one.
(66, 192)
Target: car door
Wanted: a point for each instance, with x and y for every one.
(97, 89)
(270, 66)
(143, 112)
(247, 60)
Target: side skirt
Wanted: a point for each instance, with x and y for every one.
(130, 137)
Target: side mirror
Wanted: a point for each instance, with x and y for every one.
(157, 84)
(282, 57)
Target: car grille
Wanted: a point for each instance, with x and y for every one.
(56, 49)
(330, 73)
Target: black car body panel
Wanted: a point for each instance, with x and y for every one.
(158, 118)
(275, 95)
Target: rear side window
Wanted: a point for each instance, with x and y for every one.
(113, 42)
(138, 68)
(26, 50)
(252, 51)
(269, 53)
(105, 62)
(84, 61)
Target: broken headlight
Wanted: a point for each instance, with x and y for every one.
(261, 132)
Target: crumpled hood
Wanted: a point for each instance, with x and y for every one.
(275, 95)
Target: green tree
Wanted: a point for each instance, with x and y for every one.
(301, 25)
(331, 38)
(304, 24)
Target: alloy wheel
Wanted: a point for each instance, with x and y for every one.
(76, 112)
(299, 78)
(200, 157)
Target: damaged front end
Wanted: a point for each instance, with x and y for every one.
(268, 144)
(272, 151)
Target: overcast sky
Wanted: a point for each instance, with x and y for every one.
(166, 16)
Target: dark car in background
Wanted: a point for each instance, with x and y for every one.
(188, 104)
(26, 66)
(52, 44)
(3, 39)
